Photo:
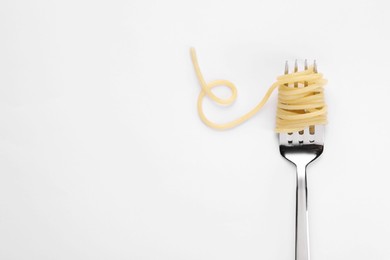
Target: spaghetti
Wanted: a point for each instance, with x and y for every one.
(300, 103)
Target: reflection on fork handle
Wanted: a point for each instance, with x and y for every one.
(301, 224)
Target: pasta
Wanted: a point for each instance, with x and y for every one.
(300, 103)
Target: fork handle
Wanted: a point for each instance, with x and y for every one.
(301, 224)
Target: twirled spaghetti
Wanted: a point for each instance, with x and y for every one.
(298, 107)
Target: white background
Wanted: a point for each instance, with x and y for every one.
(103, 156)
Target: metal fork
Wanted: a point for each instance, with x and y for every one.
(301, 148)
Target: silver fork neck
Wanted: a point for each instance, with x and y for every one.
(301, 155)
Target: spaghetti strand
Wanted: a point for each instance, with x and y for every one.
(298, 108)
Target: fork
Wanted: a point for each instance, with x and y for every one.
(301, 148)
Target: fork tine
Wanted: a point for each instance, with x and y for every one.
(296, 70)
(285, 138)
(286, 67)
(286, 72)
(312, 127)
(296, 85)
(319, 134)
